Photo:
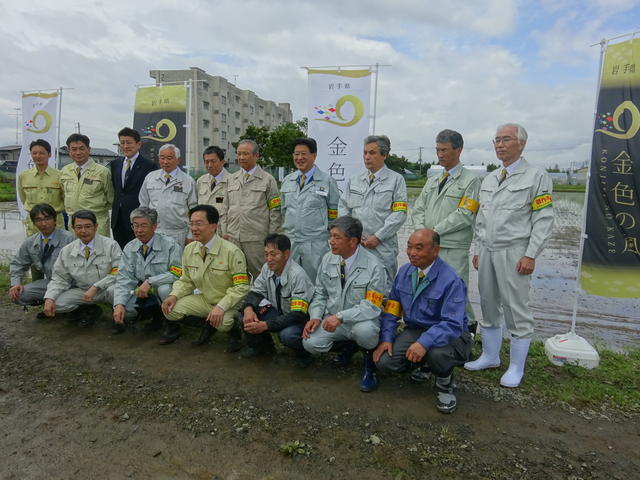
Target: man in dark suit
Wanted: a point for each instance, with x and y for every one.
(127, 175)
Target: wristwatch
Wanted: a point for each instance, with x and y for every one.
(339, 316)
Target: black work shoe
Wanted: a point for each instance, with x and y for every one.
(346, 353)
(234, 339)
(118, 328)
(446, 401)
(420, 374)
(250, 352)
(88, 314)
(154, 324)
(205, 334)
(171, 333)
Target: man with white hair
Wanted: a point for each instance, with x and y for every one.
(513, 224)
(170, 192)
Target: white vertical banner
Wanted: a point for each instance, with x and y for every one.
(339, 119)
(39, 120)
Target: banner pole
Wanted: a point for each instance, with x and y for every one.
(57, 161)
(189, 85)
(583, 235)
(375, 100)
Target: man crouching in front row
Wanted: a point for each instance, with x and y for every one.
(430, 297)
(217, 271)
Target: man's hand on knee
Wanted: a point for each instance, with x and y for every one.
(380, 349)
(331, 323)
(168, 304)
(415, 352)
(215, 316)
(310, 327)
(15, 292)
(49, 307)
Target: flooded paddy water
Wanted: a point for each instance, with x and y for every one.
(610, 322)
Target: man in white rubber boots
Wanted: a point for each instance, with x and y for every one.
(514, 222)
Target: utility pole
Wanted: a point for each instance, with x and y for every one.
(235, 79)
(420, 158)
(17, 114)
(78, 127)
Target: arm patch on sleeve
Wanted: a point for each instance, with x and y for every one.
(393, 307)
(177, 271)
(374, 297)
(114, 271)
(399, 207)
(240, 279)
(541, 201)
(274, 202)
(332, 214)
(469, 203)
(299, 305)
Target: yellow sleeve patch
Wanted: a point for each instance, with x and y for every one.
(469, 203)
(299, 305)
(332, 214)
(393, 307)
(240, 279)
(399, 207)
(114, 271)
(274, 203)
(374, 297)
(177, 271)
(541, 201)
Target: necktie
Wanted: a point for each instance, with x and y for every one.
(246, 177)
(503, 175)
(278, 293)
(127, 171)
(203, 252)
(372, 177)
(78, 172)
(342, 273)
(213, 183)
(145, 250)
(443, 180)
(87, 252)
(46, 251)
(302, 179)
(420, 276)
(167, 178)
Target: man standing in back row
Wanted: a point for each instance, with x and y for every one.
(251, 208)
(378, 198)
(127, 174)
(448, 204)
(212, 186)
(514, 222)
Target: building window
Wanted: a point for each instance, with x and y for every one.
(251, 109)
(237, 115)
(237, 99)
(223, 100)
(223, 135)
(237, 131)
(205, 86)
(205, 141)
(205, 105)
(261, 122)
(205, 123)
(223, 117)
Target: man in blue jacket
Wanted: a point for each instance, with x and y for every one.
(430, 296)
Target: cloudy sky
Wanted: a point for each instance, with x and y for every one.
(466, 65)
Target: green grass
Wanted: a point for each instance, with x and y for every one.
(614, 384)
(4, 279)
(569, 188)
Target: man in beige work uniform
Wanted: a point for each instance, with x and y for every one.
(212, 186)
(251, 207)
(86, 184)
(513, 224)
(448, 204)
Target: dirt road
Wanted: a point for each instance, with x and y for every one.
(84, 404)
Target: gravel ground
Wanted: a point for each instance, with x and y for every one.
(85, 404)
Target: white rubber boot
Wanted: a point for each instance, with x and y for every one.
(490, 358)
(518, 357)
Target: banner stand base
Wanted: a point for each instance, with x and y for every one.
(572, 349)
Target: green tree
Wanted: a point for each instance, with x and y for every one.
(276, 145)
(397, 163)
(491, 167)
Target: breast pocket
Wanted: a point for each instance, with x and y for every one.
(515, 197)
(355, 199)
(31, 194)
(357, 292)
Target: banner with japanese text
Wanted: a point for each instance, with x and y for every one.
(160, 118)
(339, 119)
(39, 120)
(611, 255)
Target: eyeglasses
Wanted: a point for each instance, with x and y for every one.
(140, 226)
(498, 140)
(79, 228)
(198, 224)
(42, 219)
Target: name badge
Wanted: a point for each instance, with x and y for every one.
(177, 188)
(88, 181)
(322, 191)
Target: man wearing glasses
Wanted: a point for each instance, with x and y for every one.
(214, 281)
(513, 224)
(40, 251)
(149, 265)
(127, 174)
(84, 273)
